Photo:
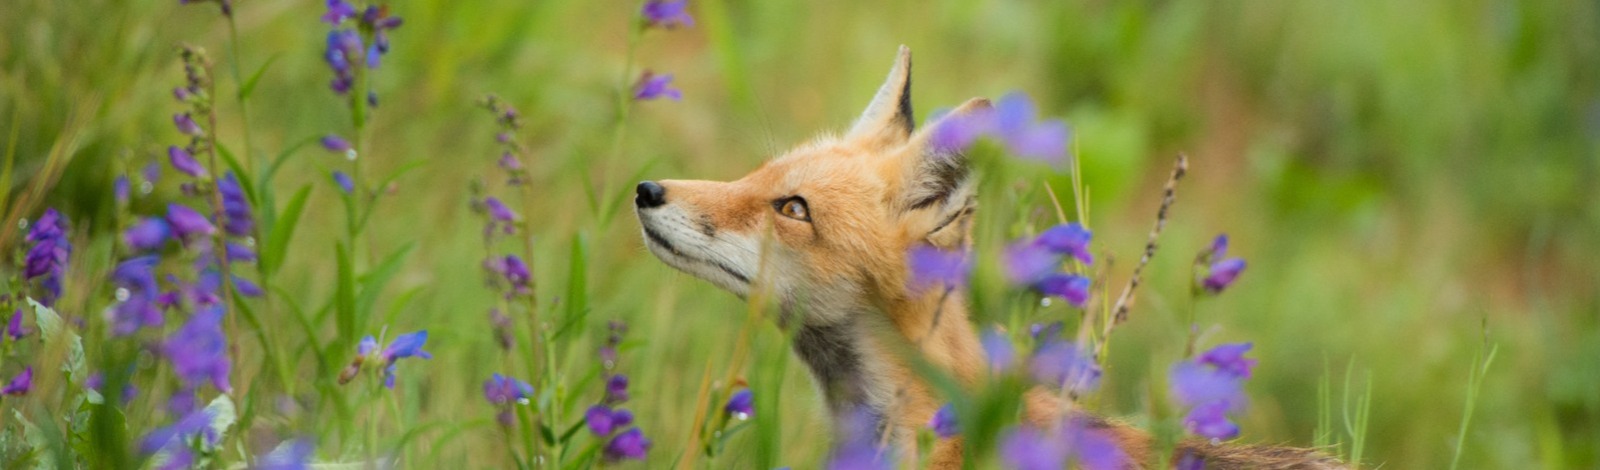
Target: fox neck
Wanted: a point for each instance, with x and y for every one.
(860, 361)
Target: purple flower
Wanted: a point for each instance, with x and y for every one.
(343, 180)
(858, 443)
(14, 328)
(20, 384)
(403, 346)
(617, 389)
(1002, 354)
(367, 345)
(1212, 387)
(1094, 449)
(1219, 271)
(344, 49)
(186, 124)
(1028, 263)
(336, 144)
(502, 390)
(631, 444)
(1229, 358)
(1064, 364)
(510, 162)
(944, 422)
(651, 86)
(1071, 287)
(602, 420)
(199, 351)
(120, 189)
(1068, 239)
(667, 13)
(246, 288)
(47, 257)
(1014, 123)
(240, 253)
(174, 439)
(741, 404)
(932, 266)
(235, 206)
(955, 133)
(338, 11)
(516, 273)
(147, 234)
(292, 455)
(184, 162)
(186, 222)
(1026, 448)
(498, 210)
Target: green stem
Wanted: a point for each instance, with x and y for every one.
(619, 130)
(238, 80)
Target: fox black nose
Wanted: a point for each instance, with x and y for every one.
(650, 195)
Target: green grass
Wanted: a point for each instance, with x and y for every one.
(1394, 172)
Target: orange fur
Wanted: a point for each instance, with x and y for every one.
(840, 273)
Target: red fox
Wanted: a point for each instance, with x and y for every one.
(825, 228)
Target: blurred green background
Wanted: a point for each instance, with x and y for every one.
(1398, 174)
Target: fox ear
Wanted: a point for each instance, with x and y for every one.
(888, 120)
(936, 192)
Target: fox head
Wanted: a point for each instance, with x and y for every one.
(824, 227)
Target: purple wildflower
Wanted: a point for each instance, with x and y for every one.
(292, 455)
(1071, 287)
(1218, 271)
(667, 13)
(14, 328)
(741, 405)
(184, 162)
(631, 444)
(246, 288)
(617, 389)
(498, 210)
(336, 144)
(602, 420)
(185, 124)
(235, 206)
(187, 223)
(20, 384)
(1002, 354)
(198, 351)
(344, 49)
(1014, 123)
(121, 190)
(944, 422)
(954, 133)
(1028, 263)
(174, 439)
(502, 390)
(1094, 449)
(1212, 387)
(343, 180)
(1026, 448)
(240, 253)
(1068, 239)
(403, 346)
(858, 443)
(147, 234)
(516, 272)
(140, 308)
(47, 257)
(932, 266)
(1064, 364)
(338, 11)
(651, 86)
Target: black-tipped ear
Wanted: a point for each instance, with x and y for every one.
(936, 189)
(888, 118)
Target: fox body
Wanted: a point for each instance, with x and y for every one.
(824, 229)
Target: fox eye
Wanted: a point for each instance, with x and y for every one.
(793, 207)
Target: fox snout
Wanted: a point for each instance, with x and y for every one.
(650, 195)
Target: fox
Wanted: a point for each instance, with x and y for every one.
(823, 230)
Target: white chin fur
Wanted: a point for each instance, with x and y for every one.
(727, 260)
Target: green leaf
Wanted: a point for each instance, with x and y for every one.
(223, 414)
(283, 231)
(37, 441)
(250, 85)
(47, 319)
(548, 435)
(577, 299)
(373, 282)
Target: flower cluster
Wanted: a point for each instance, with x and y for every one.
(932, 266)
(1054, 362)
(503, 392)
(509, 122)
(607, 419)
(1074, 441)
(1035, 263)
(1211, 387)
(346, 46)
(48, 253)
(665, 14)
(367, 353)
(1012, 121)
(175, 442)
(1214, 270)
